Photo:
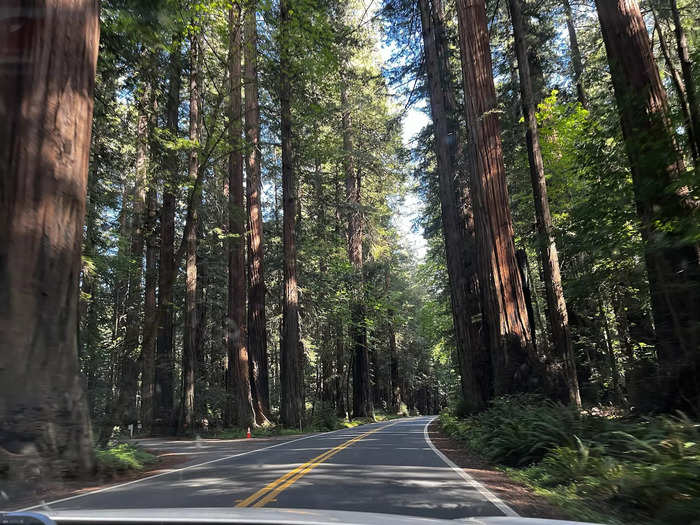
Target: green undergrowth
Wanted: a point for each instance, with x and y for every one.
(596, 467)
(319, 423)
(123, 457)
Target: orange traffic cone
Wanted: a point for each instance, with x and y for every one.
(248, 435)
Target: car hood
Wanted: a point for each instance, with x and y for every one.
(266, 517)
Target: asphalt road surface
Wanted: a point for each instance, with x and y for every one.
(388, 467)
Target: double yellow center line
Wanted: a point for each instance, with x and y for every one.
(269, 492)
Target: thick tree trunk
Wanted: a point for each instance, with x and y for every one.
(503, 303)
(672, 260)
(575, 54)
(473, 361)
(688, 78)
(362, 388)
(291, 409)
(563, 364)
(257, 333)
(238, 349)
(46, 88)
(163, 396)
(189, 344)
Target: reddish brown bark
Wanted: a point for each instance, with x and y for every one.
(562, 363)
(237, 339)
(672, 261)
(257, 332)
(458, 230)
(189, 345)
(503, 304)
(163, 396)
(47, 80)
(291, 404)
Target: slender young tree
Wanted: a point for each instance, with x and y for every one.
(564, 365)
(189, 346)
(237, 340)
(257, 332)
(688, 78)
(575, 54)
(46, 89)
(148, 346)
(458, 233)
(128, 373)
(665, 211)
(678, 85)
(291, 405)
(503, 303)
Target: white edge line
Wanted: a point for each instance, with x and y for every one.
(45, 505)
(490, 496)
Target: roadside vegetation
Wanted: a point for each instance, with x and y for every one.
(323, 421)
(120, 458)
(597, 466)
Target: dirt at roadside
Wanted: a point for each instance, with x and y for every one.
(520, 498)
(26, 494)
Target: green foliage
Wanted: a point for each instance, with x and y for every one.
(642, 469)
(123, 457)
(323, 421)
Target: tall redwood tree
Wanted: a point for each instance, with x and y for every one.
(665, 211)
(562, 357)
(257, 331)
(291, 365)
(47, 80)
(503, 302)
(237, 340)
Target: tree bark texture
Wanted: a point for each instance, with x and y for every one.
(47, 81)
(163, 396)
(257, 333)
(189, 345)
(237, 338)
(291, 409)
(672, 261)
(562, 364)
(458, 234)
(503, 303)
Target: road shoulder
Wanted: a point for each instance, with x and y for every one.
(517, 496)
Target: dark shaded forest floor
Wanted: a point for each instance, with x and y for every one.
(520, 498)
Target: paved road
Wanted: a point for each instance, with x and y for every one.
(388, 467)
